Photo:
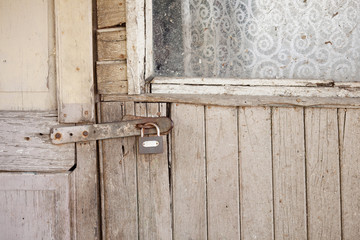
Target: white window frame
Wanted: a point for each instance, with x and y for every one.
(285, 91)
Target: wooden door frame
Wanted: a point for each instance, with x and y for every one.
(76, 104)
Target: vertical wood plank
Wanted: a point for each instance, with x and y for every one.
(222, 173)
(135, 34)
(350, 174)
(86, 186)
(74, 52)
(289, 173)
(119, 178)
(153, 186)
(322, 172)
(256, 173)
(188, 172)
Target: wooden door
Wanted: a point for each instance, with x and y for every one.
(267, 159)
(47, 191)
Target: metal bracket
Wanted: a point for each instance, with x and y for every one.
(84, 133)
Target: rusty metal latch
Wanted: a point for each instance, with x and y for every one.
(84, 133)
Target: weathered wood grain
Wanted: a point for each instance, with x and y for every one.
(112, 77)
(153, 186)
(74, 52)
(111, 44)
(239, 101)
(289, 173)
(135, 34)
(243, 82)
(110, 13)
(86, 192)
(255, 90)
(35, 206)
(222, 173)
(188, 172)
(119, 179)
(322, 172)
(256, 194)
(350, 173)
(25, 143)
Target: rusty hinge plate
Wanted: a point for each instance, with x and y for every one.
(84, 133)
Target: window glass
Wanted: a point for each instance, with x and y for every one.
(302, 39)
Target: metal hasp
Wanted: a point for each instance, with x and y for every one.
(84, 133)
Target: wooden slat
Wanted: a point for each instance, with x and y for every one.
(35, 206)
(255, 90)
(111, 44)
(86, 192)
(239, 101)
(74, 52)
(350, 173)
(110, 13)
(256, 173)
(222, 173)
(135, 34)
(25, 143)
(243, 82)
(119, 179)
(111, 77)
(153, 186)
(322, 171)
(289, 173)
(188, 172)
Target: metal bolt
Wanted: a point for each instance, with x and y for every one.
(57, 136)
(85, 133)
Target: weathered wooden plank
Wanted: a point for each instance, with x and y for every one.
(35, 206)
(322, 172)
(111, 44)
(153, 186)
(222, 173)
(243, 82)
(25, 143)
(188, 172)
(119, 178)
(110, 13)
(86, 192)
(256, 195)
(255, 90)
(135, 32)
(27, 76)
(74, 52)
(239, 101)
(112, 77)
(350, 174)
(289, 173)
(149, 36)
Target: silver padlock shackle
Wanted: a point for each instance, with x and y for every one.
(151, 124)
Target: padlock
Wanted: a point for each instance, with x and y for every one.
(151, 144)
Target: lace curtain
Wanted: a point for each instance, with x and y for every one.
(304, 39)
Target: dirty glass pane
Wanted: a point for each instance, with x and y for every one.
(303, 39)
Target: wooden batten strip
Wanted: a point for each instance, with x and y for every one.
(255, 90)
(111, 44)
(74, 52)
(243, 82)
(135, 32)
(110, 13)
(112, 77)
(239, 100)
